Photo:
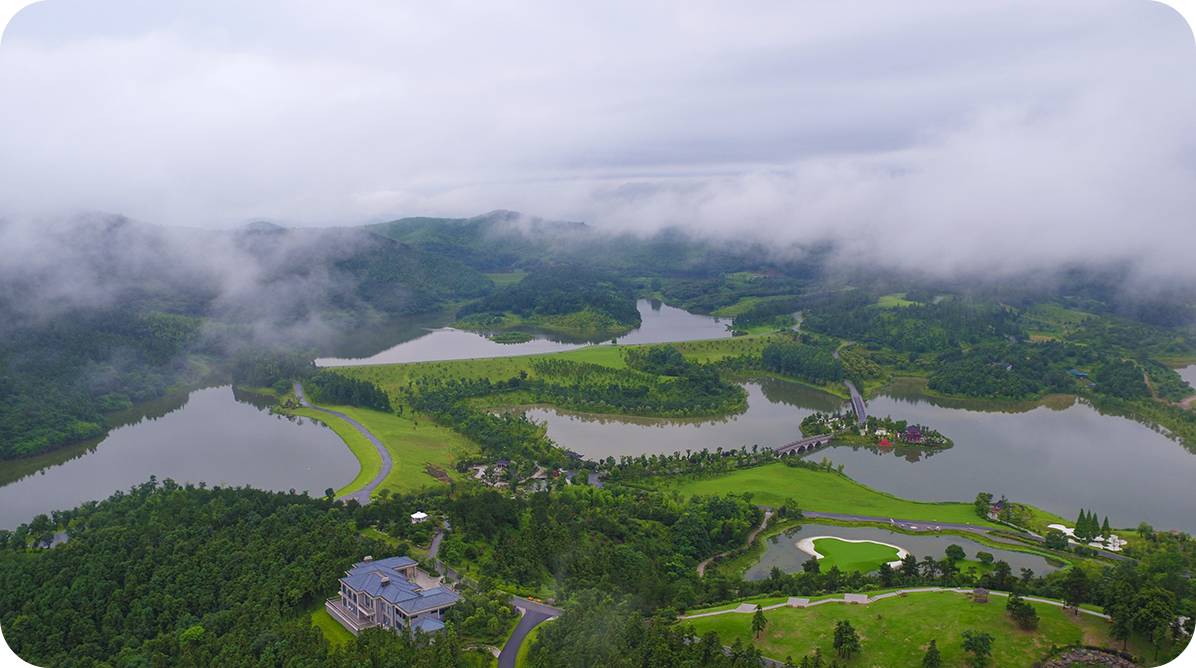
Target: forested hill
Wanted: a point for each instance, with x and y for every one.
(98, 313)
(503, 240)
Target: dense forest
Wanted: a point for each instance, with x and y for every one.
(327, 387)
(171, 575)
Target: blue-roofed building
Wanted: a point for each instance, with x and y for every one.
(392, 593)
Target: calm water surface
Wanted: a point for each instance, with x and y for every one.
(210, 436)
(1062, 455)
(781, 550)
(660, 323)
(1188, 373)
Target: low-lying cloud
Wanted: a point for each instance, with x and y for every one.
(980, 137)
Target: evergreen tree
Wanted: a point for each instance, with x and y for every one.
(758, 622)
(979, 645)
(847, 641)
(1105, 531)
(932, 659)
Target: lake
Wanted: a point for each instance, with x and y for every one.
(660, 323)
(207, 436)
(781, 550)
(1060, 455)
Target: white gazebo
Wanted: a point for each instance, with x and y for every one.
(418, 516)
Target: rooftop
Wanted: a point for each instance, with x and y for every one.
(382, 579)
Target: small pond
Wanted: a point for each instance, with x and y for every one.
(660, 323)
(781, 550)
(207, 436)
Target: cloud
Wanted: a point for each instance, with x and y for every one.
(977, 137)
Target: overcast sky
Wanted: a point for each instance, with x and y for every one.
(986, 136)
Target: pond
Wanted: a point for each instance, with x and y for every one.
(1060, 455)
(207, 436)
(660, 323)
(781, 550)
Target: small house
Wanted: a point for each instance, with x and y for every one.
(418, 516)
(913, 434)
(980, 595)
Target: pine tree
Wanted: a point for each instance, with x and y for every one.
(758, 622)
(932, 659)
(1105, 531)
(847, 642)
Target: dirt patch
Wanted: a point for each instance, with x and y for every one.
(438, 473)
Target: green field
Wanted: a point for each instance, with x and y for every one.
(333, 632)
(824, 491)
(895, 300)
(414, 445)
(895, 631)
(853, 557)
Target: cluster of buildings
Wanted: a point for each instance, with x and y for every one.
(1113, 543)
(393, 594)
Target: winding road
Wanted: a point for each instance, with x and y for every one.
(751, 537)
(534, 614)
(362, 495)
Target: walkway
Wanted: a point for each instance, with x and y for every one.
(362, 495)
(533, 615)
(862, 599)
(857, 403)
(751, 537)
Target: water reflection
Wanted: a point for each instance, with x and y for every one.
(208, 436)
(660, 323)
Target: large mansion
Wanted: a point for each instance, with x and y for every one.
(393, 594)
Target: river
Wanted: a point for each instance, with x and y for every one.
(659, 323)
(1061, 455)
(207, 436)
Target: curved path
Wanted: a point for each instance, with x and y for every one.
(533, 615)
(793, 602)
(362, 495)
(751, 537)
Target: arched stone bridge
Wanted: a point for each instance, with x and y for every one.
(804, 445)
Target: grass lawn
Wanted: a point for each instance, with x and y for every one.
(505, 278)
(823, 491)
(414, 445)
(895, 631)
(852, 557)
(521, 656)
(333, 632)
(895, 300)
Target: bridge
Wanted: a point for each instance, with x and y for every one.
(804, 445)
(857, 403)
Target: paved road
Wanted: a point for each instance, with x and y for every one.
(362, 495)
(533, 615)
(749, 609)
(434, 548)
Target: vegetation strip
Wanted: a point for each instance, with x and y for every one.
(362, 495)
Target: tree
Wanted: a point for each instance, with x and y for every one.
(1105, 531)
(1154, 614)
(758, 622)
(1056, 539)
(985, 558)
(983, 504)
(955, 552)
(979, 645)
(847, 642)
(1075, 587)
(1023, 613)
(932, 658)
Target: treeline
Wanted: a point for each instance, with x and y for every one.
(815, 364)
(58, 380)
(1009, 370)
(776, 312)
(578, 537)
(255, 366)
(559, 290)
(328, 387)
(599, 630)
(918, 328)
(187, 576)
